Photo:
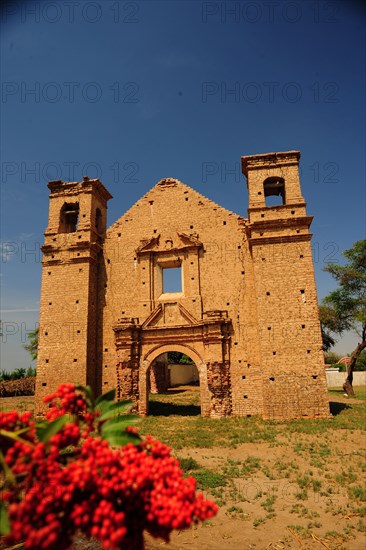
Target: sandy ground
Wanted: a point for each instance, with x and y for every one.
(327, 517)
(321, 518)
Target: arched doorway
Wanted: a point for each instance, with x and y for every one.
(173, 385)
(206, 342)
(160, 376)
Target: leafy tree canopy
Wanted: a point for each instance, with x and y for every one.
(345, 308)
(176, 357)
(331, 358)
(32, 345)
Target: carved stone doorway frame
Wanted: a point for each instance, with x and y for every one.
(206, 342)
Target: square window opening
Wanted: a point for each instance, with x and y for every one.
(172, 279)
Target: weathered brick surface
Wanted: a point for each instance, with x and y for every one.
(247, 314)
(159, 377)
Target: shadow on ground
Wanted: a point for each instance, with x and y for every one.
(166, 409)
(336, 407)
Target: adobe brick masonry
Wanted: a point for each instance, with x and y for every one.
(246, 312)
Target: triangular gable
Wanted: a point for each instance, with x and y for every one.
(171, 183)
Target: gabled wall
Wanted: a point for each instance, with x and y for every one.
(246, 312)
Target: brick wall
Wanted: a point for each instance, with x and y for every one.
(247, 314)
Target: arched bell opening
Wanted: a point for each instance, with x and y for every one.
(274, 191)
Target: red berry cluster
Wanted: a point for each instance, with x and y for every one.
(12, 422)
(65, 400)
(68, 400)
(109, 494)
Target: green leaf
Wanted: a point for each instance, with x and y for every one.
(44, 433)
(15, 436)
(41, 424)
(121, 438)
(113, 409)
(120, 422)
(4, 520)
(9, 476)
(108, 396)
(89, 395)
(133, 418)
(22, 430)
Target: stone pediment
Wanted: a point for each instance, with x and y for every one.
(169, 243)
(169, 314)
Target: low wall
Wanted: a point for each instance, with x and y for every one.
(182, 374)
(337, 379)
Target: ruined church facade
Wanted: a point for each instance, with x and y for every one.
(245, 310)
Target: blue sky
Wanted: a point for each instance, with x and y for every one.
(132, 92)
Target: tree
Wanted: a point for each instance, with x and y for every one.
(32, 345)
(345, 308)
(361, 361)
(185, 360)
(326, 315)
(17, 374)
(331, 358)
(176, 357)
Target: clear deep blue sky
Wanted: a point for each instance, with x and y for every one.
(132, 92)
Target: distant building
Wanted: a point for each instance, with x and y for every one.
(245, 309)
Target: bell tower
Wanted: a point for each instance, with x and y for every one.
(291, 357)
(72, 258)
